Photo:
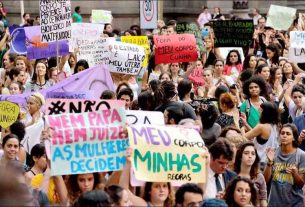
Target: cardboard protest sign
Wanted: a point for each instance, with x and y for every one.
(191, 28)
(145, 117)
(55, 20)
(141, 41)
(280, 17)
(196, 76)
(37, 49)
(88, 142)
(101, 16)
(301, 22)
(83, 36)
(297, 47)
(18, 40)
(175, 48)
(71, 95)
(61, 106)
(95, 79)
(233, 33)
(165, 154)
(8, 113)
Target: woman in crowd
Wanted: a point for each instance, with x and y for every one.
(273, 54)
(209, 55)
(247, 165)
(219, 77)
(207, 90)
(287, 72)
(265, 134)
(276, 83)
(15, 88)
(250, 63)
(40, 79)
(254, 89)
(185, 91)
(263, 71)
(165, 76)
(25, 66)
(80, 66)
(174, 69)
(285, 169)
(233, 65)
(35, 102)
(240, 192)
(10, 147)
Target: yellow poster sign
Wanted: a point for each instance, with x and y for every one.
(8, 113)
(165, 154)
(139, 40)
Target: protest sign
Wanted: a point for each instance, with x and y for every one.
(141, 41)
(165, 154)
(145, 117)
(233, 33)
(280, 17)
(95, 79)
(175, 48)
(191, 28)
(196, 76)
(148, 14)
(18, 40)
(59, 106)
(8, 113)
(101, 16)
(297, 47)
(301, 22)
(83, 36)
(224, 51)
(88, 142)
(37, 49)
(55, 20)
(71, 95)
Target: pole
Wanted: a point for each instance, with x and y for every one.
(160, 9)
(21, 10)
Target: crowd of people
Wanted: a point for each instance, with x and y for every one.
(250, 114)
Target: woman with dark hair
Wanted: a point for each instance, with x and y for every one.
(95, 198)
(254, 89)
(40, 79)
(219, 77)
(39, 161)
(210, 129)
(174, 69)
(263, 71)
(118, 195)
(287, 72)
(217, 15)
(273, 54)
(240, 192)
(264, 134)
(146, 101)
(165, 76)
(10, 146)
(286, 170)
(250, 62)
(233, 65)
(80, 66)
(247, 165)
(275, 81)
(184, 90)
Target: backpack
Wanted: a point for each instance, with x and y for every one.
(248, 105)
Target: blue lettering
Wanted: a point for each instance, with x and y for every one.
(57, 154)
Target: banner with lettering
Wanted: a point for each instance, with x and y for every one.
(297, 47)
(8, 113)
(95, 79)
(145, 117)
(175, 48)
(101, 16)
(233, 33)
(18, 40)
(88, 142)
(55, 20)
(82, 38)
(165, 154)
(71, 95)
(191, 28)
(141, 41)
(61, 106)
(280, 17)
(37, 49)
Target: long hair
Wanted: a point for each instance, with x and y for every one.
(238, 159)
(228, 57)
(34, 78)
(295, 133)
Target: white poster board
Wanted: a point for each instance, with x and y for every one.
(297, 47)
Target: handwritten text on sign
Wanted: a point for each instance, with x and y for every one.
(55, 20)
(164, 154)
(88, 142)
(8, 113)
(60, 106)
(297, 47)
(145, 117)
(233, 33)
(175, 48)
(280, 17)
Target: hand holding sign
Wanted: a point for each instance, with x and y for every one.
(8, 113)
